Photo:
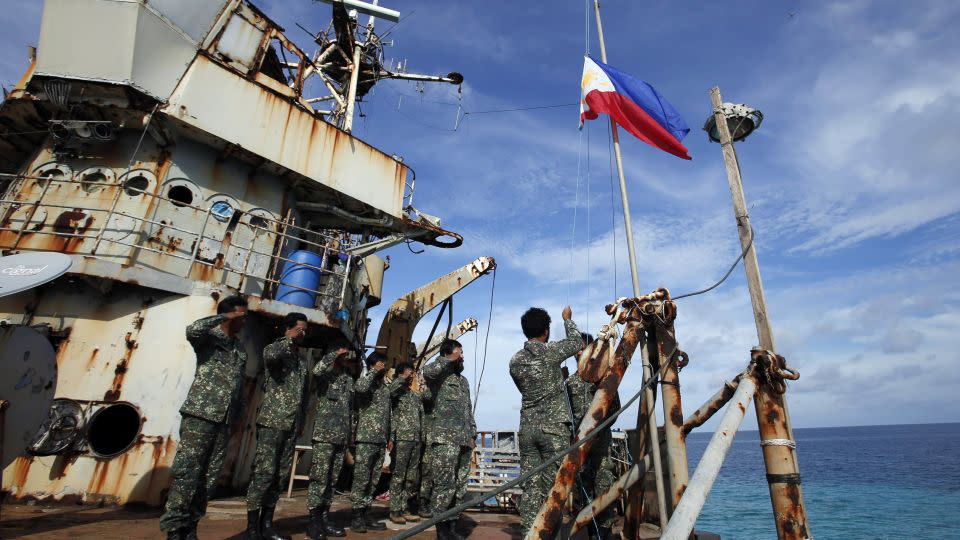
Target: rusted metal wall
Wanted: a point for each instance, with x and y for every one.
(125, 345)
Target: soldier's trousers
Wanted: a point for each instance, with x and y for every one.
(537, 444)
(426, 477)
(194, 472)
(366, 473)
(324, 472)
(451, 465)
(403, 481)
(271, 467)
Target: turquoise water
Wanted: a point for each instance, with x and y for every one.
(859, 482)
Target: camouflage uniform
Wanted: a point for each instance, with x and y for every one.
(597, 473)
(277, 422)
(452, 435)
(407, 434)
(203, 426)
(373, 397)
(331, 430)
(426, 461)
(544, 416)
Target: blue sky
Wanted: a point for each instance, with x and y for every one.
(851, 184)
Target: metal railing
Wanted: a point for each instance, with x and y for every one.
(281, 233)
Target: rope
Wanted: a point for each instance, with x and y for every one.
(778, 442)
(725, 276)
(532, 472)
(486, 341)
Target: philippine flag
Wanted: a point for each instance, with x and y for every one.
(633, 104)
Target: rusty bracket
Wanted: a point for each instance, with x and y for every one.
(771, 370)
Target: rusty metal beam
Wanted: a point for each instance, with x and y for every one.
(605, 499)
(666, 348)
(551, 513)
(710, 407)
(406, 311)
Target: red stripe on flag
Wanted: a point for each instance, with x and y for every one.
(633, 119)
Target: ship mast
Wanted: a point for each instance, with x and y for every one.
(646, 407)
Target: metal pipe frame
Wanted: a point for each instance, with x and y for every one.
(666, 347)
(710, 407)
(685, 515)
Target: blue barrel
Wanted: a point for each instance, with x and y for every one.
(295, 274)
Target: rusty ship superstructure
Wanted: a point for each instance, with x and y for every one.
(174, 150)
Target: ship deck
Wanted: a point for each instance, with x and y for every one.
(226, 518)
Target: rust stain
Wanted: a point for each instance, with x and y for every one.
(676, 415)
(93, 357)
(21, 469)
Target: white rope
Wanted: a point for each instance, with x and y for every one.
(778, 442)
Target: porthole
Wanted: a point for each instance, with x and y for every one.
(95, 178)
(222, 211)
(180, 195)
(55, 171)
(113, 429)
(136, 185)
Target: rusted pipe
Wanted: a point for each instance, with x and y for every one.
(685, 515)
(551, 513)
(196, 247)
(666, 347)
(352, 91)
(605, 499)
(711, 406)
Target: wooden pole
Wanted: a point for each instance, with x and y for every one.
(648, 395)
(776, 435)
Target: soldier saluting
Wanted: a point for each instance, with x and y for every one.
(453, 433)
(407, 436)
(373, 396)
(331, 435)
(204, 415)
(278, 422)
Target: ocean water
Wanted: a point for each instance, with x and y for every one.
(858, 482)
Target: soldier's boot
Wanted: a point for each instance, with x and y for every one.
(411, 517)
(328, 527)
(253, 525)
(397, 518)
(424, 511)
(315, 528)
(356, 522)
(191, 532)
(267, 532)
(177, 534)
(371, 523)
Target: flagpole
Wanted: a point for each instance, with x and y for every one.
(646, 406)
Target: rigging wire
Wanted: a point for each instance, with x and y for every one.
(486, 341)
(725, 276)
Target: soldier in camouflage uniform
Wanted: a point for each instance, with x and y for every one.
(544, 418)
(278, 422)
(372, 397)
(407, 435)
(331, 435)
(597, 473)
(453, 433)
(203, 425)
